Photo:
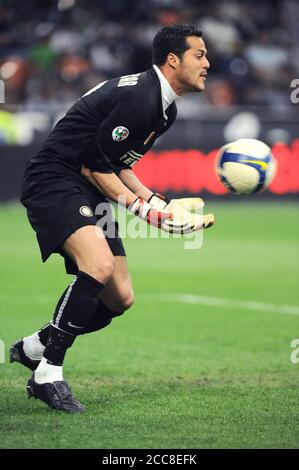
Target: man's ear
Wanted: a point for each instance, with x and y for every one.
(172, 60)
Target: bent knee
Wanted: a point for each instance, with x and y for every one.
(101, 271)
(123, 303)
(128, 300)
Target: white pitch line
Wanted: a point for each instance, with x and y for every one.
(220, 302)
(174, 298)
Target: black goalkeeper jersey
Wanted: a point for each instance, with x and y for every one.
(108, 129)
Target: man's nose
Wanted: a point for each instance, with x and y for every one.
(207, 65)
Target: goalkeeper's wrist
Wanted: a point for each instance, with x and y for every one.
(147, 212)
(140, 207)
(158, 201)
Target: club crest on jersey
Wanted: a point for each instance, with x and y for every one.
(120, 133)
(86, 211)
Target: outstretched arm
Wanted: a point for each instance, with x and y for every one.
(160, 202)
(171, 216)
(112, 187)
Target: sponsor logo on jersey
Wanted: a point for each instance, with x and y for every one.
(86, 211)
(120, 133)
(131, 157)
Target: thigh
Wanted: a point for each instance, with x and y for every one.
(118, 293)
(90, 251)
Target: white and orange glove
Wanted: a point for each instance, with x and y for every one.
(171, 216)
(181, 210)
(172, 222)
(146, 212)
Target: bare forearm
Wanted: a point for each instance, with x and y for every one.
(134, 184)
(110, 185)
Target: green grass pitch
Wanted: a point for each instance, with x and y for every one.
(170, 373)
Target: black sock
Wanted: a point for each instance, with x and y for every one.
(43, 334)
(73, 312)
(57, 345)
(101, 318)
(77, 304)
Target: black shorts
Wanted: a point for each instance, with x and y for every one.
(62, 206)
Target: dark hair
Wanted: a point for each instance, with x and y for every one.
(172, 38)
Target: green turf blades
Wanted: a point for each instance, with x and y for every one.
(167, 374)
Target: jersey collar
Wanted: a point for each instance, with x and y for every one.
(168, 94)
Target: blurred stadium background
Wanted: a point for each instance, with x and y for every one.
(203, 358)
(55, 50)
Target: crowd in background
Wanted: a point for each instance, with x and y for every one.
(52, 51)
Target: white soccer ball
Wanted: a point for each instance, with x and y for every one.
(245, 166)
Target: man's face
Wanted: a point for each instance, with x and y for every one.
(193, 67)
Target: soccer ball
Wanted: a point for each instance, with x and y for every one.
(245, 166)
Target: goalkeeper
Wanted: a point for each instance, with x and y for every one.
(87, 158)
